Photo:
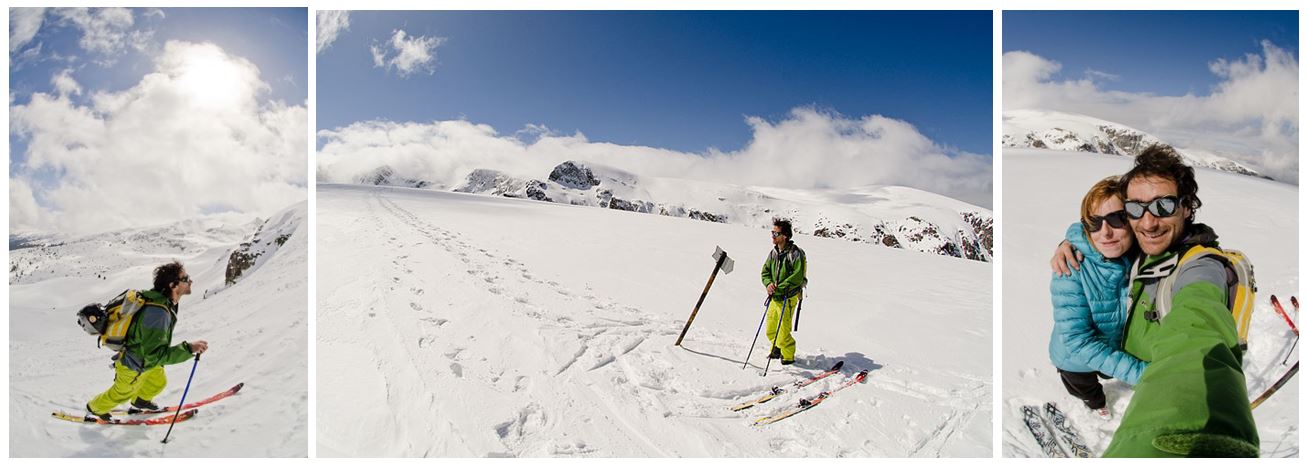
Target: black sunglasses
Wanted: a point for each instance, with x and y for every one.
(1095, 222)
(185, 279)
(1161, 207)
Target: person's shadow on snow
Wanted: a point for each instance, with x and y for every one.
(853, 361)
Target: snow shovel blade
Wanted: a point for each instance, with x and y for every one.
(728, 264)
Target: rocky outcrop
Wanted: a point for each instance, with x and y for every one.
(573, 175)
(386, 175)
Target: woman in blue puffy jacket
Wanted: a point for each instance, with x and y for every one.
(1089, 305)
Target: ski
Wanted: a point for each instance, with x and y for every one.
(805, 404)
(1294, 300)
(128, 422)
(1042, 434)
(1068, 434)
(173, 408)
(1280, 310)
(1275, 387)
(778, 390)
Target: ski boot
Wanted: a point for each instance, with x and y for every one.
(93, 417)
(141, 405)
(775, 353)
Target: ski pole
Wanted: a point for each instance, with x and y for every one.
(183, 402)
(1290, 354)
(1275, 387)
(765, 303)
(776, 338)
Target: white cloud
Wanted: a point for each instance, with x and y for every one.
(1251, 116)
(24, 214)
(107, 31)
(64, 84)
(407, 55)
(24, 23)
(330, 25)
(808, 149)
(190, 136)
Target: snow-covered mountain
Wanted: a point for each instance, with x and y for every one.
(249, 301)
(1028, 128)
(890, 216)
(455, 325)
(1041, 197)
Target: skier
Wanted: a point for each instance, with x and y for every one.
(784, 275)
(138, 369)
(1089, 312)
(1191, 399)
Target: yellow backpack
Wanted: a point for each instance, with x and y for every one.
(111, 321)
(1240, 286)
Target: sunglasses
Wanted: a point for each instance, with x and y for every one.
(1161, 208)
(185, 279)
(1095, 222)
(775, 234)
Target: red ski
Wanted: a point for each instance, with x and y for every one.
(1280, 310)
(777, 391)
(173, 408)
(805, 404)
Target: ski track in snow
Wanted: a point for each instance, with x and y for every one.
(481, 355)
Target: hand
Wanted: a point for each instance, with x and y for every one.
(198, 347)
(771, 289)
(1065, 258)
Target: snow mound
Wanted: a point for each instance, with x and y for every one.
(1029, 128)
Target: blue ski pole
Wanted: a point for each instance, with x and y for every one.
(183, 402)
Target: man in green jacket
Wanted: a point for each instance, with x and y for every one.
(784, 275)
(138, 369)
(1191, 400)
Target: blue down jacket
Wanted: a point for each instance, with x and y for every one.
(1089, 314)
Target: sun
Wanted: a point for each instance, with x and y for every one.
(211, 79)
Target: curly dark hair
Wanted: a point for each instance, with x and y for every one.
(1163, 161)
(165, 275)
(786, 228)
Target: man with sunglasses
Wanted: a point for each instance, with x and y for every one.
(1191, 400)
(138, 369)
(783, 274)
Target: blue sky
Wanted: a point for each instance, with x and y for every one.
(677, 80)
(1159, 52)
(207, 105)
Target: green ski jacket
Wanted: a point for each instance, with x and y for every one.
(787, 269)
(1191, 400)
(149, 338)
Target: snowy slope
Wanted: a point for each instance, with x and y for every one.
(1042, 197)
(890, 216)
(1029, 128)
(454, 324)
(256, 331)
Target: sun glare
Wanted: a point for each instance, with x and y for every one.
(211, 79)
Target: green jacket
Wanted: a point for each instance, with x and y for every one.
(788, 269)
(1191, 400)
(149, 337)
